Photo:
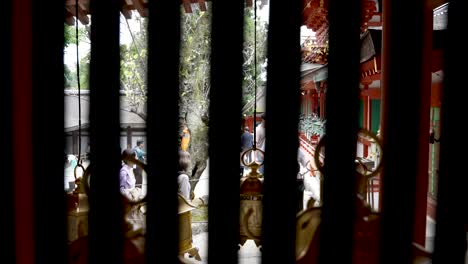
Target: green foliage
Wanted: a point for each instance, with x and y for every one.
(255, 52)
(70, 34)
(195, 51)
(84, 71)
(133, 66)
(70, 75)
(312, 124)
(194, 67)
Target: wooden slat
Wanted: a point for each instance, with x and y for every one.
(342, 124)
(7, 221)
(22, 132)
(452, 213)
(224, 137)
(47, 130)
(282, 142)
(82, 13)
(126, 12)
(162, 131)
(202, 5)
(105, 218)
(424, 110)
(187, 6)
(140, 7)
(402, 87)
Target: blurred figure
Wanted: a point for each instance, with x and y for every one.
(246, 143)
(260, 140)
(185, 138)
(127, 176)
(183, 179)
(141, 156)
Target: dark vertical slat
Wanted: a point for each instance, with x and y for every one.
(105, 218)
(22, 132)
(282, 114)
(48, 135)
(424, 112)
(6, 146)
(224, 137)
(162, 126)
(342, 124)
(402, 84)
(452, 213)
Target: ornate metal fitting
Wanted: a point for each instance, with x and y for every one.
(253, 158)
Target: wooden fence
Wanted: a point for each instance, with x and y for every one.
(32, 202)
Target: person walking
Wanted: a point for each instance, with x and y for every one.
(183, 177)
(260, 140)
(141, 156)
(184, 138)
(127, 176)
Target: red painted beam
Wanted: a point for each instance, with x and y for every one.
(436, 94)
(372, 93)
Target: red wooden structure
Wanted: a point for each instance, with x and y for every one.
(313, 93)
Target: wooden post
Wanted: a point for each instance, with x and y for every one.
(22, 132)
(422, 178)
(129, 136)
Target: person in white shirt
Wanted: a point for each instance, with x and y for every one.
(260, 140)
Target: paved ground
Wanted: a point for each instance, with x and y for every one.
(248, 253)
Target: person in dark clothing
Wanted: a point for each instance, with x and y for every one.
(141, 156)
(246, 143)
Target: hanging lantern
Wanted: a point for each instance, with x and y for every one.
(251, 196)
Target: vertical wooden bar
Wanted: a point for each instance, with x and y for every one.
(366, 111)
(281, 124)
(162, 126)
(22, 132)
(47, 132)
(224, 138)
(7, 234)
(342, 124)
(129, 136)
(402, 87)
(322, 104)
(422, 176)
(452, 215)
(105, 214)
(75, 142)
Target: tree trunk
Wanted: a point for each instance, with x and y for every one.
(196, 119)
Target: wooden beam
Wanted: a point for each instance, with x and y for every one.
(372, 93)
(126, 12)
(436, 3)
(368, 79)
(437, 60)
(23, 182)
(82, 13)
(436, 94)
(84, 19)
(70, 20)
(140, 7)
(187, 6)
(365, 112)
(308, 86)
(202, 5)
